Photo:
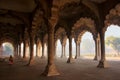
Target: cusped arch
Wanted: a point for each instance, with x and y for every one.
(113, 17)
(84, 24)
(45, 39)
(7, 39)
(59, 33)
(64, 40)
(37, 20)
(90, 6)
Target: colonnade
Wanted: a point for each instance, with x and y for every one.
(99, 47)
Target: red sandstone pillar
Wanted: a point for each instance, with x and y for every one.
(70, 59)
(31, 50)
(51, 68)
(102, 62)
(96, 49)
(43, 54)
(77, 50)
(62, 51)
(36, 49)
(24, 50)
(55, 49)
(19, 50)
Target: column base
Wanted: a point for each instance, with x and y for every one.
(42, 57)
(70, 60)
(25, 59)
(96, 58)
(103, 64)
(50, 71)
(31, 62)
(63, 56)
(76, 57)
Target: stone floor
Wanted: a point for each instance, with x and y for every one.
(82, 69)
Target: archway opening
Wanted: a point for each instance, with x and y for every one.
(45, 50)
(34, 46)
(22, 48)
(6, 49)
(112, 42)
(27, 50)
(59, 48)
(67, 47)
(73, 47)
(39, 49)
(87, 46)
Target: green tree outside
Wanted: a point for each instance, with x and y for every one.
(114, 42)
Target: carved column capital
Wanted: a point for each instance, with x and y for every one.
(53, 21)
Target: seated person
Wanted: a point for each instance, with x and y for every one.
(10, 60)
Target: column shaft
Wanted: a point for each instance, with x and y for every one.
(19, 50)
(24, 50)
(64, 51)
(70, 59)
(43, 54)
(102, 63)
(31, 50)
(51, 68)
(36, 49)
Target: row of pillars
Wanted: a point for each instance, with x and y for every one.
(50, 69)
(63, 54)
(26, 47)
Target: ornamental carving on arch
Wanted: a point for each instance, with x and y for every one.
(45, 39)
(7, 39)
(83, 25)
(63, 40)
(78, 36)
(85, 22)
(113, 17)
(66, 3)
(37, 20)
(60, 33)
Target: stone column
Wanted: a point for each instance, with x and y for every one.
(43, 54)
(62, 54)
(65, 51)
(16, 50)
(96, 48)
(51, 68)
(31, 49)
(39, 48)
(77, 50)
(99, 49)
(102, 62)
(36, 49)
(24, 50)
(55, 48)
(70, 59)
(19, 50)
